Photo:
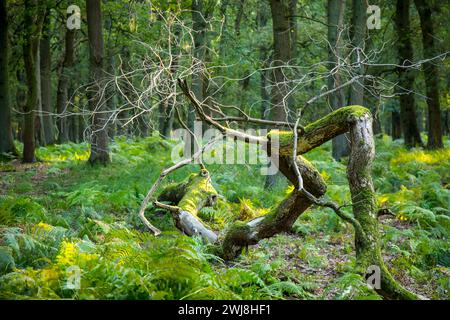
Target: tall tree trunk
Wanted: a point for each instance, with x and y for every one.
(282, 43)
(6, 139)
(127, 90)
(431, 72)
(21, 101)
(111, 94)
(99, 136)
(396, 128)
(281, 11)
(171, 103)
(358, 30)
(239, 14)
(223, 36)
(201, 12)
(198, 26)
(367, 236)
(62, 97)
(261, 22)
(446, 126)
(33, 19)
(336, 11)
(167, 109)
(39, 126)
(408, 115)
(46, 82)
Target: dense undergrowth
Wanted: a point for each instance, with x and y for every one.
(69, 230)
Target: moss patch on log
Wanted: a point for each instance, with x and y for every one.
(199, 193)
(320, 131)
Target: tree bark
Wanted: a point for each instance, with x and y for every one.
(6, 138)
(46, 82)
(396, 125)
(368, 251)
(99, 136)
(239, 14)
(358, 30)
(33, 19)
(282, 55)
(280, 219)
(431, 73)
(224, 16)
(39, 122)
(408, 114)
(191, 196)
(261, 22)
(167, 111)
(198, 26)
(62, 97)
(336, 11)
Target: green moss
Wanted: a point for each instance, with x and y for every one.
(238, 227)
(338, 117)
(284, 137)
(198, 191)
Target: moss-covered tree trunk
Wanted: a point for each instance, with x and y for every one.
(191, 196)
(197, 192)
(282, 217)
(367, 244)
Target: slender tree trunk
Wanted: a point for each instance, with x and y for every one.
(167, 113)
(21, 100)
(396, 127)
(224, 16)
(358, 30)
(33, 19)
(408, 115)
(336, 11)
(39, 122)
(110, 91)
(261, 22)
(46, 83)
(239, 14)
(125, 69)
(419, 114)
(265, 96)
(446, 126)
(431, 72)
(6, 139)
(62, 98)
(111, 96)
(199, 26)
(282, 54)
(99, 136)
(206, 90)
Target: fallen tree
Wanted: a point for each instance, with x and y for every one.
(188, 197)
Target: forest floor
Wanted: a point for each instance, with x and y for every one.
(70, 230)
